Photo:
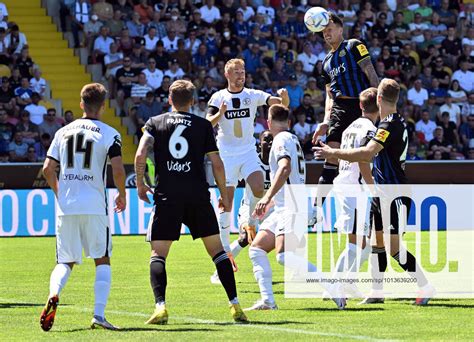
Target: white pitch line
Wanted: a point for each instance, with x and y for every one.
(212, 322)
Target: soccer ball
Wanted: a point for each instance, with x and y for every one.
(316, 19)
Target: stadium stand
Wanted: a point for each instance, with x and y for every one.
(426, 45)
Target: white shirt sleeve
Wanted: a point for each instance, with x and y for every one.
(53, 151)
(261, 97)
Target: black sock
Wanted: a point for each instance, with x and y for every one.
(226, 274)
(158, 277)
(328, 174)
(379, 266)
(412, 268)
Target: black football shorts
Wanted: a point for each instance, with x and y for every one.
(168, 217)
(343, 113)
(395, 211)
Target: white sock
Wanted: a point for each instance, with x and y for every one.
(341, 262)
(224, 225)
(353, 251)
(58, 279)
(253, 203)
(262, 272)
(101, 288)
(362, 256)
(235, 248)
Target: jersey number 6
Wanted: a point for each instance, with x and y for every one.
(178, 145)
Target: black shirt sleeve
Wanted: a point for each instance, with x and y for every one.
(365, 140)
(115, 150)
(150, 127)
(211, 146)
(359, 50)
(383, 134)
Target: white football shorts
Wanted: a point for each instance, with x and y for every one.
(77, 232)
(282, 221)
(353, 217)
(240, 167)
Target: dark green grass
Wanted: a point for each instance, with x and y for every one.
(198, 310)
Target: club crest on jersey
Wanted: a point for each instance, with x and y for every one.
(246, 101)
(237, 113)
(382, 135)
(342, 53)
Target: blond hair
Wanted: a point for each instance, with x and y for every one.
(232, 63)
(181, 93)
(389, 90)
(368, 100)
(93, 96)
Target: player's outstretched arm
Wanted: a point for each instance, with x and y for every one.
(214, 114)
(118, 173)
(281, 176)
(283, 98)
(323, 126)
(49, 172)
(369, 71)
(361, 154)
(218, 171)
(140, 165)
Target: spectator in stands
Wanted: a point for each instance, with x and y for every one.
(412, 152)
(451, 46)
(91, 29)
(307, 109)
(137, 57)
(116, 24)
(302, 130)
(197, 23)
(80, 12)
(5, 57)
(283, 30)
(316, 95)
(426, 126)
(102, 45)
(24, 63)
(407, 64)
(159, 26)
(426, 77)
(446, 16)
(401, 29)
(217, 74)
(18, 149)
(300, 75)
(148, 107)
(125, 8)
(139, 90)
(145, 11)
(417, 28)
(210, 13)
(307, 58)
(161, 56)
(135, 27)
(27, 129)
(150, 40)
(23, 93)
(31, 156)
(452, 109)
(41, 147)
(7, 96)
(37, 83)
(200, 109)
(7, 131)
(438, 93)
(464, 76)
(458, 96)
(16, 40)
(174, 72)
(104, 10)
(153, 75)
(125, 77)
(450, 130)
(202, 59)
(267, 11)
(49, 125)
(395, 46)
(125, 42)
(183, 56)
(417, 95)
(295, 92)
(112, 61)
(440, 73)
(466, 133)
(425, 11)
(380, 29)
(439, 143)
(68, 117)
(162, 93)
(207, 90)
(170, 42)
(279, 73)
(176, 23)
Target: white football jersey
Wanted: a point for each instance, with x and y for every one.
(286, 145)
(82, 148)
(236, 126)
(358, 134)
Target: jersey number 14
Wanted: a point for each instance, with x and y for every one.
(79, 147)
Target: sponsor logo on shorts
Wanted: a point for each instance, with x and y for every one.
(237, 113)
(382, 135)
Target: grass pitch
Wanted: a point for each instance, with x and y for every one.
(198, 310)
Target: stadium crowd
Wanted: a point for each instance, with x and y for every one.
(144, 45)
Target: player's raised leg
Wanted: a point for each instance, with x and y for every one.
(256, 183)
(158, 280)
(226, 274)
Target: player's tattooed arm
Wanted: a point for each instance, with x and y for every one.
(214, 114)
(146, 142)
(49, 171)
(360, 154)
(369, 70)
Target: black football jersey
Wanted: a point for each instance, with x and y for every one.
(181, 142)
(389, 163)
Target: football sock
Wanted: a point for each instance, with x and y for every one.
(346, 259)
(262, 272)
(58, 279)
(224, 225)
(235, 248)
(253, 203)
(226, 275)
(158, 278)
(101, 288)
(362, 256)
(328, 174)
(379, 266)
(411, 267)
